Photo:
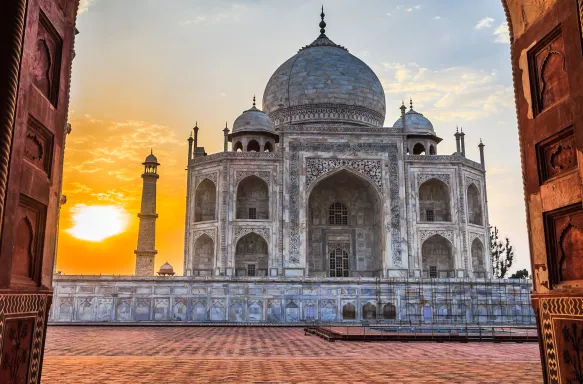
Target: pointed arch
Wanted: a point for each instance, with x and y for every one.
(474, 205)
(252, 199)
(253, 146)
(437, 257)
(205, 201)
(251, 255)
(344, 206)
(478, 258)
(434, 201)
(238, 147)
(204, 256)
(268, 147)
(23, 261)
(419, 149)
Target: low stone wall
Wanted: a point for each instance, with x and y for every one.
(129, 299)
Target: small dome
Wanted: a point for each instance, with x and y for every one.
(415, 122)
(166, 269)
(253, 120)
(151, 158)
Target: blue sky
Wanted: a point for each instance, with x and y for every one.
(170, 63)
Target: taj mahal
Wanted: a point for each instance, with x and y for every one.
(315, 211)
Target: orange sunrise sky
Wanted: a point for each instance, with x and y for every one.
(146, 70)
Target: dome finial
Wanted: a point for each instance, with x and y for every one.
(411, 102)
(151, 151)
(322, 24)
(253, 100)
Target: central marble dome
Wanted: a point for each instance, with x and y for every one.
(324, 83)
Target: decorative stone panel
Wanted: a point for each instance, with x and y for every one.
(200, 178)
(474, 235)
(423, 177)
(242, 231)
(371, 169)
(424, 235)
(473, 180)
(210, 232)
(240, 175)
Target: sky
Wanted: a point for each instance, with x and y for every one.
(146, 71)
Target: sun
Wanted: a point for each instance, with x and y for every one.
(97, 222)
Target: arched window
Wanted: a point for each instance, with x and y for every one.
(432, 149)
(205, 201)
(349, 312)
(419, 149)
(253, 146)
(268, 147)
(474, 206)
(252, 199)
(389, 311)
(369, 311)
(338, 214)
(434, 201)
(238, 147)
(338, 263)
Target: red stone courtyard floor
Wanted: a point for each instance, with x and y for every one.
(271, 355)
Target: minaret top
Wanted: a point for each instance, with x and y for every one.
(322, 24)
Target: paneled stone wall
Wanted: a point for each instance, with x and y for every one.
(106, 299)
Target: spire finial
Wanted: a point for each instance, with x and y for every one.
(151, 151)
(411, 102)
(226, 124)
(322, 24)
(253, 100)
(196, 124)
(457, 129)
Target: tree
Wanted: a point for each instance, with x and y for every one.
(523, 274)
(502, 254)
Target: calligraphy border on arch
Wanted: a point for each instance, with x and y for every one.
(295, 167)
(242, 231)
(423, 177)
(210, 232)
(316, 167)
(200, 178)
(263, 175)
(424, 235)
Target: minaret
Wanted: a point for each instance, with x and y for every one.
(147, 236)
(226, 133)
(481, 146)
(457, 141)
(463, 140)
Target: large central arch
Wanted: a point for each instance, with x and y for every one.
(344, 215)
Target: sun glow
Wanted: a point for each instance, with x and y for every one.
(97, 222)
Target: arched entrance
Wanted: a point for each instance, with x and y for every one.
(251, 256)
(344, 227)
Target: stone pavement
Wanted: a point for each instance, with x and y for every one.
(271, 355)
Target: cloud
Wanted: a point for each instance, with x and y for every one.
(400, 7)
(415, 8)
(436, 17)
(486, 22)
(84, 5)
(389, 14)
(502, 35)
(234, 13)
(222, 94)
(447, 94)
